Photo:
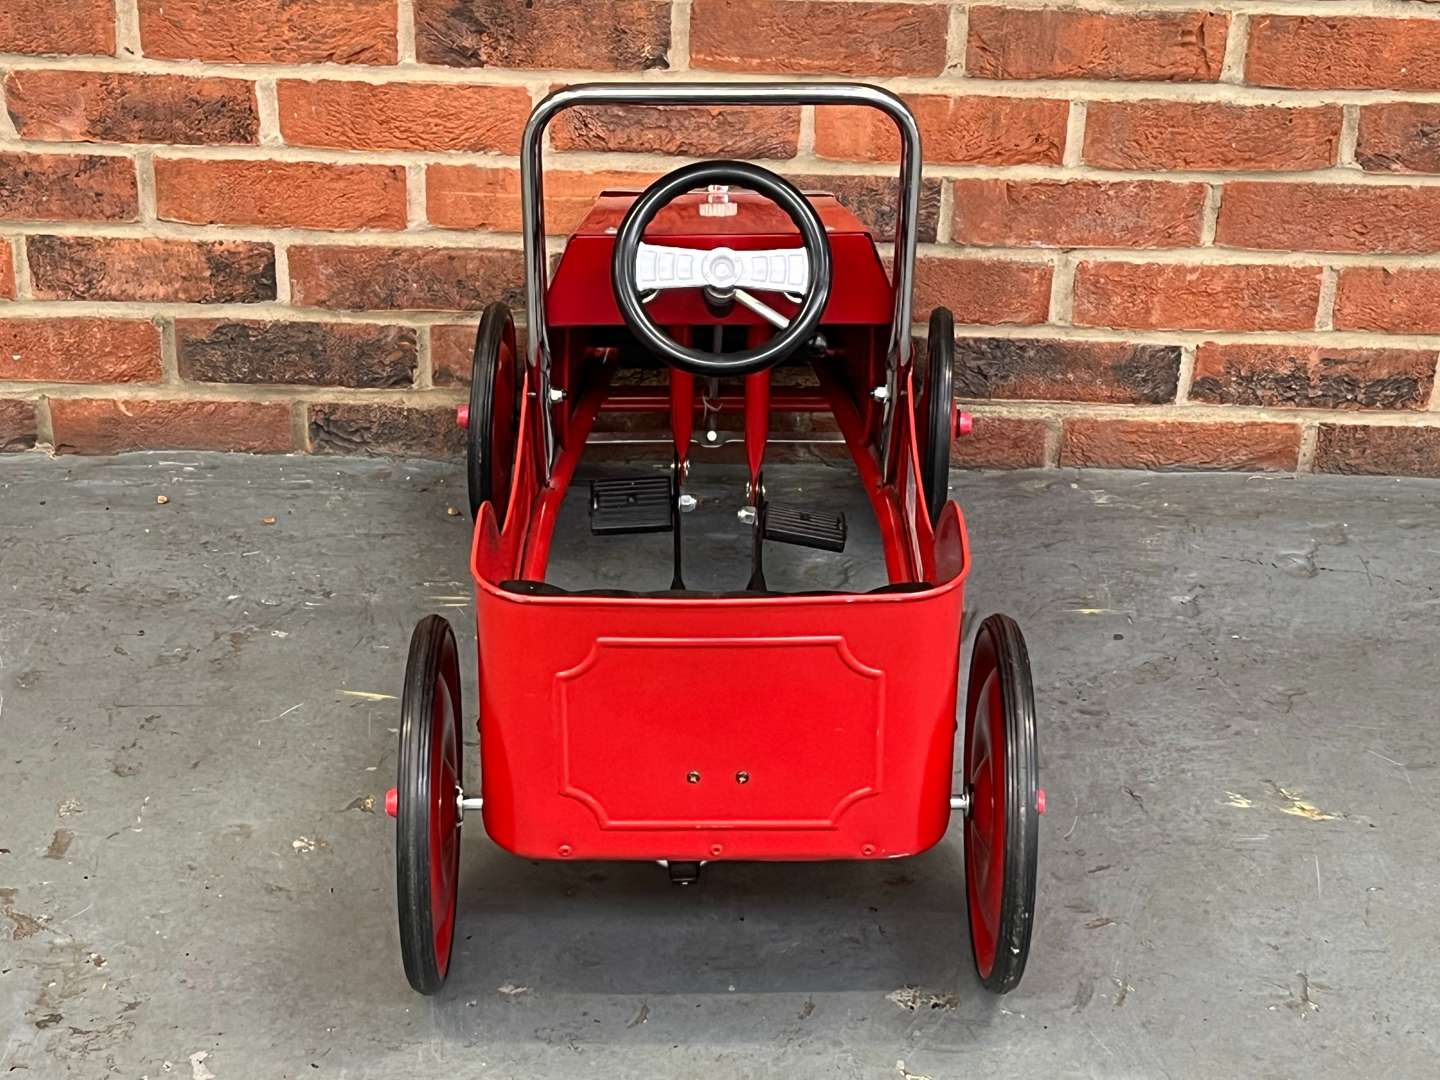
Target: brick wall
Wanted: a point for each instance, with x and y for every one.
(1171, 234)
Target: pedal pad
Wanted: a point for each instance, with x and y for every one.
(807, 528)
(631, 504)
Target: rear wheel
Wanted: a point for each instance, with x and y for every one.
(938, 411)
(1002, 823)
(494, 416)
(427, 848)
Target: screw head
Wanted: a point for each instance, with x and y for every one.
(692, 777)
(742, 777)
(687, 502)
(746, 514)
(557, 395)
(881, 393)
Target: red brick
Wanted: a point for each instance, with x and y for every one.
(67, 187)
(818, 36)
(386, 429)
(957, 130)
(1402, 301)
(1378, 451)
(984, 290)
(7, 271)
(79, 350)
(1313, 377)
(475, 197)
(296, 194)
(1046, 369)
(271, 31)
(82, 27)
(95, 426)
(1402, 136)
(452, 352)
(1042, 43)
(1339, 52)
(403, 116)
(719, 131)
(1077, 213)
(431, 279)
(1001, 442)
(1329, 217)
(1179, 444)
(599, 35)
(18, 425)
(92, 106)
(306, 353)
(151, 269)
(872, 200)
(1175, 296)
(1209, 135)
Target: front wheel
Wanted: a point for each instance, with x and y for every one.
(427, 846)
(1002, 820)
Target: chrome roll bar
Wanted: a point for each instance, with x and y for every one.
(532, 192)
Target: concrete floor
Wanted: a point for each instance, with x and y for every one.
(1237, 680)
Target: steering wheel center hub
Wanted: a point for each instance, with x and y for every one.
(721, 268)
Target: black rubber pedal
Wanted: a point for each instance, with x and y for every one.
(807, 528)
(631, 504)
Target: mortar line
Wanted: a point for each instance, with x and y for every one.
(1062, 290)
(957, 40)
(267, 106)
(439, 74)
(1325, 309)
(44, 423)
(169, 353)
(282, 274)
(127, 29)
(145, 186)
(945, 220)
(405, 31)
(1237, 43)
(20, 253)
(678, 54)
(416, 197)
(1186, 376)
(300, 426)
(424, 359)
(580, 161)
(1309, 437)
(1054, 436)
(1434, 405)
(1210, 216)
(1075, 134)
(805, 136)
(450, 396)
(1349, 137)
(283, 310)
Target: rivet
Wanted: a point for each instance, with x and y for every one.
(868, 849)
(742, 777)
(692, 777)
(564, 851)
(715, 850)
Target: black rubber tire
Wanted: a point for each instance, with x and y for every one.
(432, 667)
(999, 651)
(938, 408)
(494, 422)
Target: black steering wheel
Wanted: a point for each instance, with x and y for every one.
(724, 274)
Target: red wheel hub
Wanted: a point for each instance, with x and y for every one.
(985, 821)
(444, 818)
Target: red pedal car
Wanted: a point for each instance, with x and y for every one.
(612, 723)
